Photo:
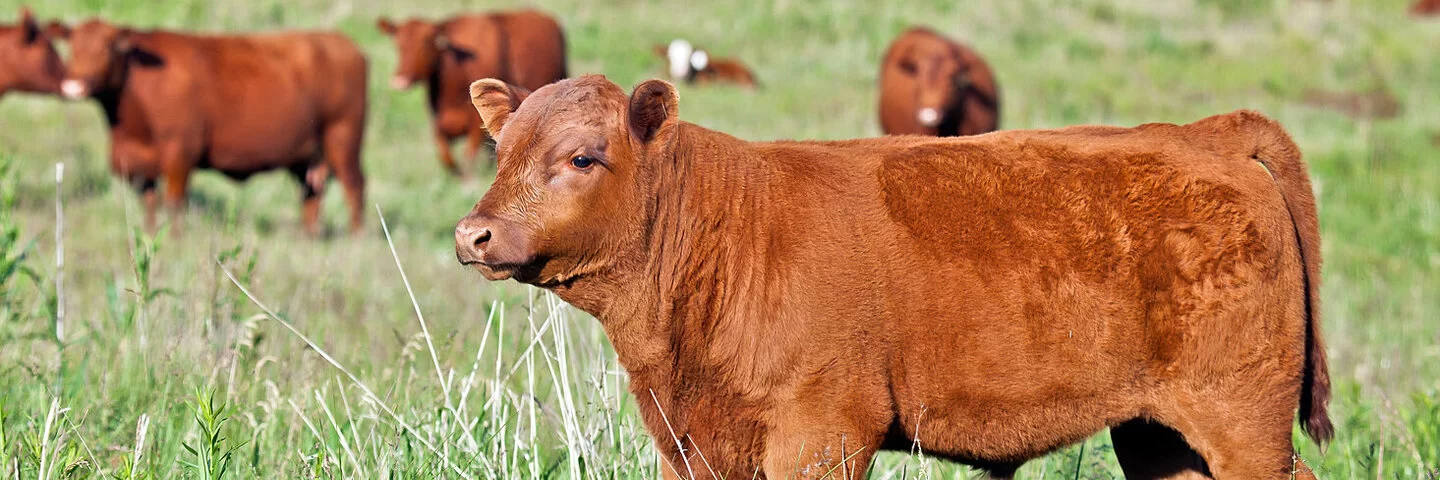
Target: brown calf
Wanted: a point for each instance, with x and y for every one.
(28, 62)
(526, 48)
(991, 299)
(687, 64)
(235, 104)
(930, 85)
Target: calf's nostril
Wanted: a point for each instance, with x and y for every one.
(481, 237)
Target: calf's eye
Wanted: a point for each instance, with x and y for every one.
(582, 162)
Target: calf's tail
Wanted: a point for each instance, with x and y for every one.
(1278, 153)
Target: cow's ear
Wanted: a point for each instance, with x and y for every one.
(495, 101)
(654, 108)
(28, 27)
(146, 58)
(135, 53)
(57, 30)
(386, 26)
(460, 53)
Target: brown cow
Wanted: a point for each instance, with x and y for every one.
(1425, 7)
(691, 65)
(930, 85)
(236, 104)
(28, 62)
(990, 299)
(526, 48)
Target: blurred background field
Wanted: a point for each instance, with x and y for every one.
(510, 383)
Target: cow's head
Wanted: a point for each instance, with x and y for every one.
(28, 61)
(420, 44)
(941, 77)
(101, 56)
(575, 183)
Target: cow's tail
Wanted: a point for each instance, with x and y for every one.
(1278, 153)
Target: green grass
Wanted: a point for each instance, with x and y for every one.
(509, 382)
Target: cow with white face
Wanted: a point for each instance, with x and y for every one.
(688, 64)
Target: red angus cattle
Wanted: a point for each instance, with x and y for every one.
(930, 85)
(235, 104)
(526, 48)
(28, 62)
(688, 64)
(794, 307)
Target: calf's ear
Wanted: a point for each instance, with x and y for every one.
(385, 25)
(495, 101)
(28, 25)
(654, 109)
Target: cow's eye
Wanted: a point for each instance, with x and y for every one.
(582, 162)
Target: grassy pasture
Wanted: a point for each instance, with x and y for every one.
(162, 368)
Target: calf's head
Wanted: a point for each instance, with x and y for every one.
(575, 187)
(420, 45)
(101, 56)
(28, 61)
(941, 78)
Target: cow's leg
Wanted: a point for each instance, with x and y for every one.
(342, 156)
(312, 180)
(809, 452)
(1148, 450)
(175, 167)
(447, 158)
(146, 187)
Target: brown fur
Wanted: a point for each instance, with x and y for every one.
(989, 299)
(922, 70)
(28, 62)
(721, 70)
(526, 48)
(239, 105)
(1425, 7)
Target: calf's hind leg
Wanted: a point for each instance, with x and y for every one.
(1245, 441)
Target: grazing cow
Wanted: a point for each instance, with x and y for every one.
(235, 104)
(690, 65)
(930, 85)
(1425, 7)
(526, 48)
(28, 62)
(789, 308)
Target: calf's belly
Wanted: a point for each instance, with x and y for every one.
(1013, 367)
